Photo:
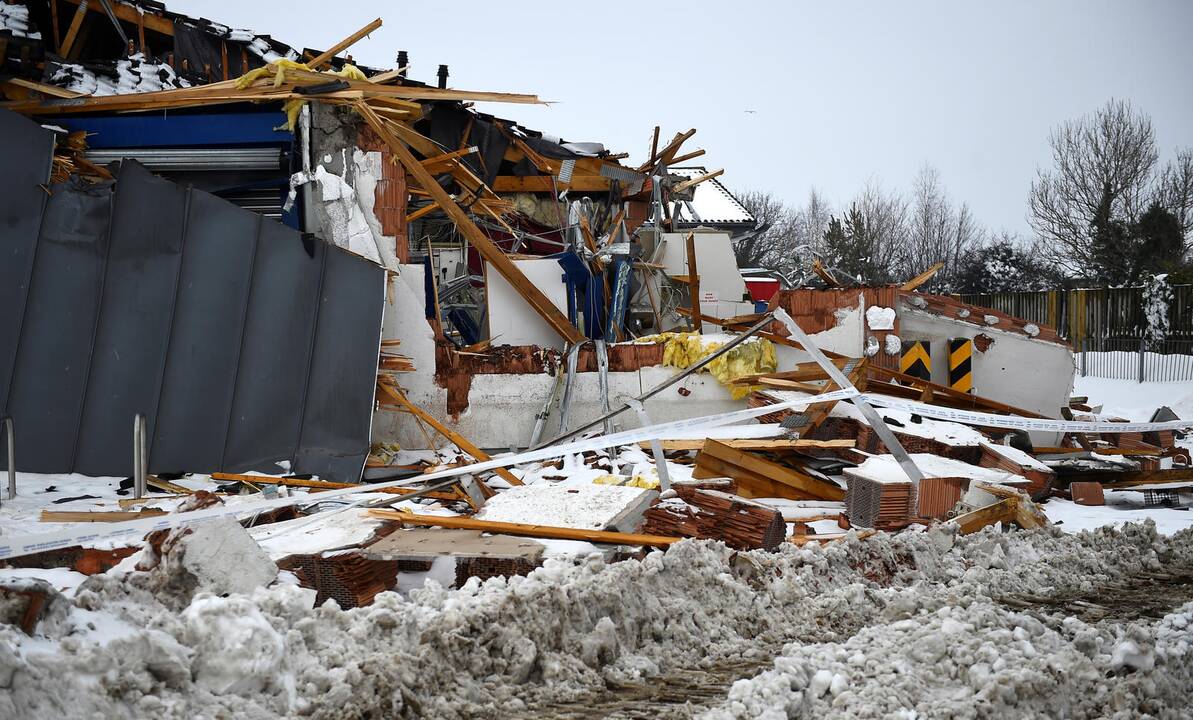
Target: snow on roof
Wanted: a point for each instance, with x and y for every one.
(884, 469)
(712, 201)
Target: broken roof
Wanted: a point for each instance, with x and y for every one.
(711, 202)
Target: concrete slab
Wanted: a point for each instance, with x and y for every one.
(429, 543)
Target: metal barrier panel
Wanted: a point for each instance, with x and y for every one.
(66, 283)
(27, 153)
(242, 342)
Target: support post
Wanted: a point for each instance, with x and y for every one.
(656, 447)
(12, 458)
(1142, 349)
(139, 460)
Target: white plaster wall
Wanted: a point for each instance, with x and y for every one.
(511, 319)
(1016, 370)
(502, 408)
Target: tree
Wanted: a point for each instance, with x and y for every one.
(938, 231)
(1103, 167)
(811, 222)
(1004, 265)
(769, 245)
(1176, 193)
(1160, 242)
(867, 243)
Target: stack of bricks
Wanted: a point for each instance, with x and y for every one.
(1040, 479)
(939, 495)
(491, 567)
(879, 505)
(712, 515)
(351, 579)
(869, 441)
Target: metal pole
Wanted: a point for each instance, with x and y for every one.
(662, 386)
(602, 359)
(565, 407)
(12, 458)
(872, 417)
(1142, 347)
(656, 447)
(139, 459)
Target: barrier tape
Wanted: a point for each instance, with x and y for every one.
(1015, 422)
(131, 531)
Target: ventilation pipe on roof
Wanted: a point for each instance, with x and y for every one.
(443, 77)
(403, 62)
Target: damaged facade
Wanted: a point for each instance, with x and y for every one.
(375, 337)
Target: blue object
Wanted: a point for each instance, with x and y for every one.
(580, 280)
(145, 130)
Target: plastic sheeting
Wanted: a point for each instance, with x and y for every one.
(243, 342)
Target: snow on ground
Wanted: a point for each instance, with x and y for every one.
(1134, 400)
(917, 624)
(1122, 506)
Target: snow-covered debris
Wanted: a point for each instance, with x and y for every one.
(135, 74)
(218, 556)
(871, 346)
(15, 19)
(880, 318)
(585, 506)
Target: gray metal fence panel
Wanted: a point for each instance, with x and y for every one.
(242, 342)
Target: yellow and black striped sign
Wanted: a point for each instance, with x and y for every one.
(961, 364)
(916, 359)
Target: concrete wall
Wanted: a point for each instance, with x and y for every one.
(1016, 370)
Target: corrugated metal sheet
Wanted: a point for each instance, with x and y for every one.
(242, 342)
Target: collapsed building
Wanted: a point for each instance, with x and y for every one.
(303, 283)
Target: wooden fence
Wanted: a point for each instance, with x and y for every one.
(1106, 328)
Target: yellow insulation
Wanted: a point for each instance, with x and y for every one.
(278, 69)
(682, 350)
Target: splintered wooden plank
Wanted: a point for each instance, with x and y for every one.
(548, 183)
(318, 485)
(1003, 511)
(922, 278)
(344, 44)
(494, 255)
(542, 531)
(731, 462)
(758, 444)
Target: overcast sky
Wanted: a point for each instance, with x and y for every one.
(785, 95)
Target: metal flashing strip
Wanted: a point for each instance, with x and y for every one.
(1014, 422)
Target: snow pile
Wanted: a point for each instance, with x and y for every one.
(880, 318)
(953, 661)
(897, 622)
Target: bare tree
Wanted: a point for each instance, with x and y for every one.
(869, 243)
(1104, 164)
(811, 221)
(1176, 192)
(938, 230)
(769, 245)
